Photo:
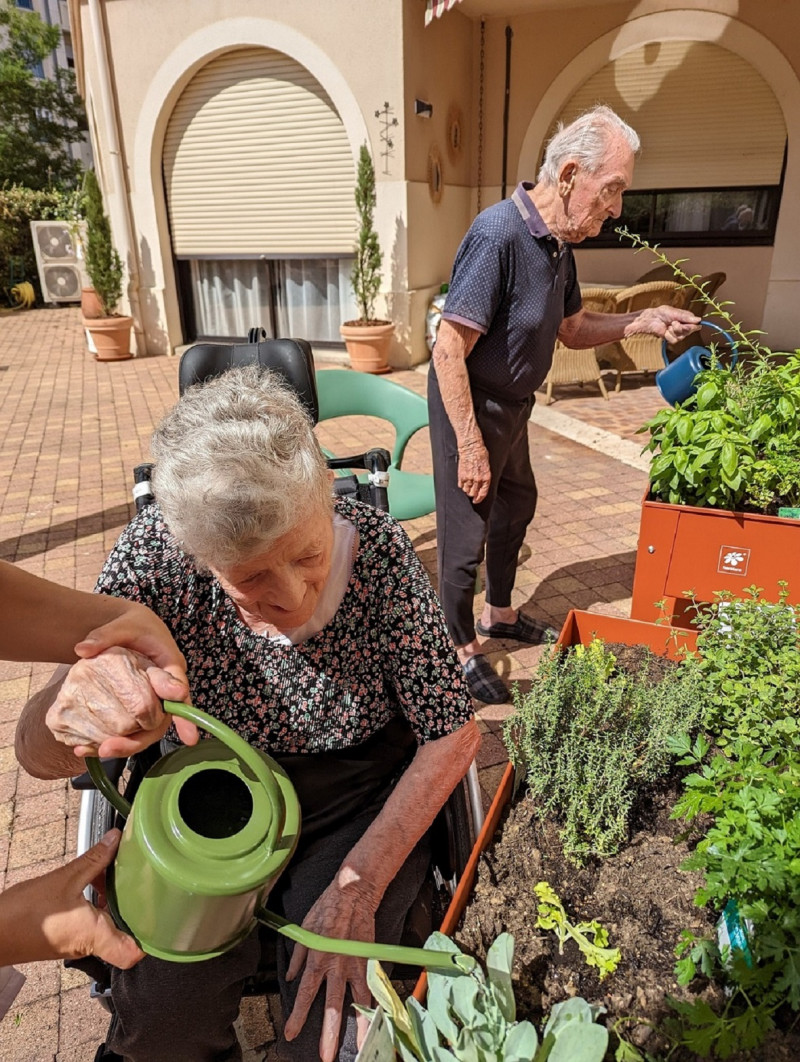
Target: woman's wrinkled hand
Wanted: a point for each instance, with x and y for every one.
(342, 913)
(110, 705)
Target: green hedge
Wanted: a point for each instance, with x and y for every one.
(18, 207)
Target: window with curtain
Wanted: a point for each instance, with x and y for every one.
(306, 298)
(258, 177)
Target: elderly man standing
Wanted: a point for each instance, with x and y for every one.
(513, 291)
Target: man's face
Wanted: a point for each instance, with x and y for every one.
(590, 198)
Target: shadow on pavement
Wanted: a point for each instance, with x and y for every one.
(20, 547)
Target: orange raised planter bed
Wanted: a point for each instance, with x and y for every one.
(684, 548)
(579, 629)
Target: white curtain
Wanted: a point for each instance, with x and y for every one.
(313, 297)
(301, 298)
(231, 297)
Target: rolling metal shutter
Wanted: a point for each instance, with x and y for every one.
(705, 116)
(257, 162)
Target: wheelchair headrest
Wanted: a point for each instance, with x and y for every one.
(292, 358)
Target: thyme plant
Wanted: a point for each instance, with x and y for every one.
(591, 737)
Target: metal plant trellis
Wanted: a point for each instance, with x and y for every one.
(387, 124)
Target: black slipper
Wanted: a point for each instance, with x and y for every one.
(525, 629)
(484, 682)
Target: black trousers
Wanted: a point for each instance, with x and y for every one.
(497, 525)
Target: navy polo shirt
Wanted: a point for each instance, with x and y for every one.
(513, 283)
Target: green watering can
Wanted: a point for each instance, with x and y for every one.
(211, 829)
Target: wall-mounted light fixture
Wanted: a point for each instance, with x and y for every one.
(423, 109)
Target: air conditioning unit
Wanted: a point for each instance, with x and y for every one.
(59, 261)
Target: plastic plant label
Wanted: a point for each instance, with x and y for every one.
(789, 514)
(377, 1046)
(733, 932)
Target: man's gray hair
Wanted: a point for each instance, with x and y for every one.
(237, 466)
(586, 140)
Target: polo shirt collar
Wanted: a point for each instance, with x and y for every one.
(530, 215)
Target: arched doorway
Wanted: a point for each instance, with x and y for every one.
(258, 179)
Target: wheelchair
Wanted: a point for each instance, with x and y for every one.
(454, 831)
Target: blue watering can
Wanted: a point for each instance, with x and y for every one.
(677, 381)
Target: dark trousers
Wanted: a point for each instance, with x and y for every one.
(184, 1012)
(498, 524)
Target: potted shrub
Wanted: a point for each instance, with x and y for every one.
(721, 508)
(367, 338)
(109, 334)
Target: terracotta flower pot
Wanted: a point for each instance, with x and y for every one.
(110, 337)
(368, 345)
(91, 306)
(579, 629)
(683, 547)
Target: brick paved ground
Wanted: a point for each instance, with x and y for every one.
(71, 430)
(625, 411)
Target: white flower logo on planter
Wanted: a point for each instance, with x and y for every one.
(735, 560)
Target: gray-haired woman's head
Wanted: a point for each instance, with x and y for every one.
(586, 140)
(237, 466)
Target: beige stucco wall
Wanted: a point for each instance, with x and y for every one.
(368, 52)
(556, 49)
(437, 69)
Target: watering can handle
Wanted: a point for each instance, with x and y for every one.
(709, 324)
(245, 752)
(448, 961)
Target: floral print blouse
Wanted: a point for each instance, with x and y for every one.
(385, 653)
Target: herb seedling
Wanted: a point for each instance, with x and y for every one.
(553, 916)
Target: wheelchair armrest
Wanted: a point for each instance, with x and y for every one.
(113, 768)
(142, 491)
(376, 462)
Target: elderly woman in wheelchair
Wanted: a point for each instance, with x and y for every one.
(310, 627)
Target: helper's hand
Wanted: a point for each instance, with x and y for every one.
(141, 630)
(343, 914)
(110, 705)
(474, 474)
(49, 917)
(667, 322)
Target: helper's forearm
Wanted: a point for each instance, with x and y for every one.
(373, 863)
(453, 346)
(40, 620)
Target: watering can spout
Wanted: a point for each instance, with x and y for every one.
(443, 961)
(676, 381)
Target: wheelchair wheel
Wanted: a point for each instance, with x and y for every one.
(460, 829)
(452, 838)
(95, 819)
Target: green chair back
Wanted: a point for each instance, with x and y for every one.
(344, 393)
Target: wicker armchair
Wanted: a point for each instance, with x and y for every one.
(580, 366)
(640, 353)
